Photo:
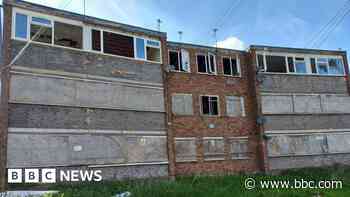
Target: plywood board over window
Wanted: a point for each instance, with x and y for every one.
(182, 104)
(185, 149)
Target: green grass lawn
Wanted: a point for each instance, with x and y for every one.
(214, 186)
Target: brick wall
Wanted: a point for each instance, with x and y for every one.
(197, 125)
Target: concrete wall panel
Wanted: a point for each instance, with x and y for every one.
(55, 91)
(56, 58)
(302, 84)
(33, 149)
(277, 104)
(306, 122)
(42, 116)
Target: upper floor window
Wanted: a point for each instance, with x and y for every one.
(210, 105)
(179, 60)
(48, 31)
(322, 65)
(206, 63)
(117, 44)
(231, 66)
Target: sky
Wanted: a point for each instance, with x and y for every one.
(240, 23)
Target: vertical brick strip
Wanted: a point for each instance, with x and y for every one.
(5, 76)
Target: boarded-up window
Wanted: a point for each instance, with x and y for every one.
(185, 149)
(239, 148)
(68, 35)
(235, 106)
(276, 64)
(96, 40)
(214, 148)
(117, 44)
(182, 104)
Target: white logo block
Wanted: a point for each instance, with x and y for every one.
(48, 175)
(31, 175)
(14, 175)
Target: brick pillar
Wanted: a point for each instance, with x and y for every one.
(5, 76)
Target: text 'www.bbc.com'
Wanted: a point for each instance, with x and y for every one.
(251, 183)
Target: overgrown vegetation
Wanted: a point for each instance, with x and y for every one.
(214, 186)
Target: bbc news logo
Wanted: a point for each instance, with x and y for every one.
(51, 175)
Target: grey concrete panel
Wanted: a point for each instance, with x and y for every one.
(302, 84)
(306, 122)
(30, 150)
(40, 116)
(307, 104)
(56, 91)
(280, 163)
(56, 58)
(336, 104)
(277, 104)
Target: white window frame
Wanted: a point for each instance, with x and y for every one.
(307, 59)
(238, 65)
(207, 66)
(201, 105)
(187, 139)
(178, 58)
(53, 19)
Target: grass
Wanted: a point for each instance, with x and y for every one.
(213, 186)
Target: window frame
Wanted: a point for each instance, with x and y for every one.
(184, 139)
(207, 66)
(86, 34)
(238, 66)
(178, 51)
(201, 105)
(239, 139)
(220, 156)
(307, 59)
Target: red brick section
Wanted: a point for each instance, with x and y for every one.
(262, 146)
(4, 96)
(197, 125)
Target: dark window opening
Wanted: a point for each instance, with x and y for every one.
(261, 62)
(41, 33)
(201, 61)
(174, 60)
(291, 64)
(96, 40)
(227, 66)
(117, 44)
(210, 105)
(211, 64)
(234, 67)
(313, 65)
(276, 64)
(68, 35)
(153, 54)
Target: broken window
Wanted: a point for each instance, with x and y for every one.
(41, 30)
(182, 104)
(153, 50)
(291, 64)
(210, 105)
(21, 22)
(214, 148)
(322, 65)
(300, 65)
(68, 35)
(230, 66)
(206, 63)
(239, 148)
(276, 64)
(185, 149)
(335, 66)
(117, 44)
(179, 61)
(235, 106)
(96, 40)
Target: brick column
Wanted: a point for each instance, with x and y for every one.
(5, 76)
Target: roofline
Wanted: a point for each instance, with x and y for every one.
(203, 46)
(295, 49)
(79, 17)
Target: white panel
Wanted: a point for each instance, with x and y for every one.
(185, 58)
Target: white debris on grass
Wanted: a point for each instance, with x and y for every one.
(124, 194)
(26, 193)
